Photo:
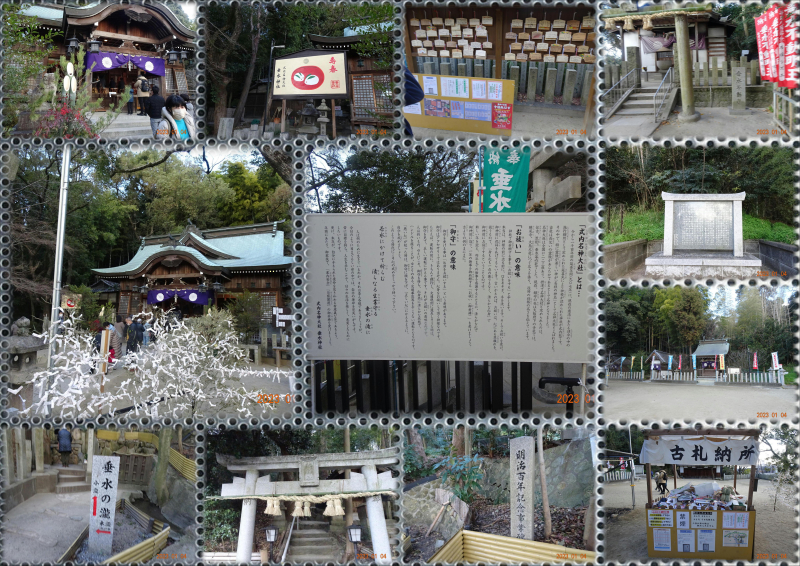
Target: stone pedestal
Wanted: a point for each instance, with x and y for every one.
(738, 92)
(550, 85)
(634, 59)
(38, 448)
(522, 451)
(225, 128)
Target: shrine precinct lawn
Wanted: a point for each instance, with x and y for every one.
(649, 225)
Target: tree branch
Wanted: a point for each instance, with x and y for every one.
(167, 155)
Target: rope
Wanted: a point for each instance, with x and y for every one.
(309, 498)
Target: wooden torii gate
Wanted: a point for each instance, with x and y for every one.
(308, 466)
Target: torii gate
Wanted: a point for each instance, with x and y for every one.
(309, 466)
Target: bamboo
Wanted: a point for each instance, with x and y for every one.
(474, 547)
(548, 527)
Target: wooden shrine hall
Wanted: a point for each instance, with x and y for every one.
(200, 268)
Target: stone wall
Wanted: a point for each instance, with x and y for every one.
(720, 96)
(570, 483)
(569, 473)
(619, 259)
(180, 507)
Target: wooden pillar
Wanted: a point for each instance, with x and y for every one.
(735, 470)
(649, 486)
(752, 486)
(333, 125)
(283, 116)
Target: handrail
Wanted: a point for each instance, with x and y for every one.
(657, 111)
(616, 93)
(288, 540)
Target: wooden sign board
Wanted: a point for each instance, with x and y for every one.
(564, 35)
(544, 25)
(413, 22)
(536, 35)
(455, 32)
(473, 22)
(535, 56)
(449, 22)
(551, 36)
(559, 24)
(487, 21)
(466, 33)
(480, 54)
(522, 56)
(587, 23)
(570, 48)
(437, 21)
(575, 59)
(511, 35)
(573, 25)
(425, 22)
(444, 32)
(530, 23)
(515, 47)
(523, 36)
(562, 59)
(549, 59)
(444, 53)
(487, 45)
(510, 57)
(462, 22)
(516, 24)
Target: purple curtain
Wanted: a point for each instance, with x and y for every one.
(105, 61)
(653, 44)
(197, 297)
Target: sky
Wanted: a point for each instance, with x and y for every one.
(190, 8)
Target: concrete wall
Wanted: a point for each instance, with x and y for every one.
(777, 256)
(619, 259)
(44, 482)
(420, 508)
(720, 96)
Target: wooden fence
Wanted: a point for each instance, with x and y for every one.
(185, 466)
(473, 547)
(531, 78)
(756, 378)
(672, 376)
(402, 386)
(142, 552)
(626, 375)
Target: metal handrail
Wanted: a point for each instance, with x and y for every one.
(617, 92)
(288, 540)
(657, 110)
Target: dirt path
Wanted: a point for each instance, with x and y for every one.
(626, 535)
(692, 402)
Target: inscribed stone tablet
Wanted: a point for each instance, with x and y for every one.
(703, 225)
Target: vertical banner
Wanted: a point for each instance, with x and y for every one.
(790, 41)
(762, 41)
(775, 364)
(755, 361)
(694, 362)
(621, 361)
(680, 361)
(669, 363)
(105, 478)
(721, 362)
(505, 175)
(633, 361)
(776, 38)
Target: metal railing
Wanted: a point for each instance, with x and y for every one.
(783, 110)
(617, 92)
(662, 93)
(288, 541)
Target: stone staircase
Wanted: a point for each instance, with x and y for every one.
(312, 541)
(132, 127)
(639, 103)
(72, 480)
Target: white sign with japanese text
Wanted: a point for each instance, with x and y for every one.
(700, 452)
(105, 478)
(450, 286)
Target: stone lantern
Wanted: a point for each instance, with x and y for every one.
(309, 116)
(323, 118)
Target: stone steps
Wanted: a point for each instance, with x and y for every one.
(625, 111)
(71, 472)
(72, 487)
(310, 533)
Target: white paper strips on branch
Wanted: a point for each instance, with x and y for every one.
(701, 452)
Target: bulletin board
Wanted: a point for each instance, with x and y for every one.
(437, 111)
(728, 532)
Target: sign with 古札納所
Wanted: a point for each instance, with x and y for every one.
(444, 286)
(311, 74)
(659, 518)
(700, 452)
(505, 178)
(105, 478)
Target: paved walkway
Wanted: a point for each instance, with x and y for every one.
(654, 401)
(626, 536)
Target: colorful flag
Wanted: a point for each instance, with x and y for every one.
(721, 361)
(775, 364)
(680, 361)
(505, 177)
(669, 363)
(694, 362)
(633, 361)
(755, 361)
(776, 40)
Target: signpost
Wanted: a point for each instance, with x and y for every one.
(105, 478)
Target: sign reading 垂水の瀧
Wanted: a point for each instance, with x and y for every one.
(105, 478)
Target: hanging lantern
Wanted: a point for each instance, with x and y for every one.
(173, 57)
(72, 44)
(94, 46)
(184, 56)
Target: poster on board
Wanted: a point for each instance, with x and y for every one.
(502, 115)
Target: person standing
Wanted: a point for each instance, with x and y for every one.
(176, 121)
(131, 100)
(65, 444)
(154, 107)
(116, 345)
(130, 336)
(119, 326)
(143, 88)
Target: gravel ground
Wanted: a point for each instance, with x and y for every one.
(127, 533)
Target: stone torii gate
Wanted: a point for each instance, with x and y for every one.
(309, 466)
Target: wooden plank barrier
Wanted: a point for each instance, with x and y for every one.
(474, 547)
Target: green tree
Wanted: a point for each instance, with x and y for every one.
(257, 196)
(247, 313)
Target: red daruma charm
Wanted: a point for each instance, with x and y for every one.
(308, 77)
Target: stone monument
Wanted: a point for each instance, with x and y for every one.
(523, 477)
(702, 238)
(739, 92)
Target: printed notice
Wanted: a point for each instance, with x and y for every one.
(685, 540)
(682, 519)
(415, 108)
(661, 540)
(495, 90)
(728, 520)
(742, 520)
(479, 89)
(659, 518)
(704, 519)
(735, 538)
(455, 87)
(706, 540)
(430, 86)
(436, 286)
